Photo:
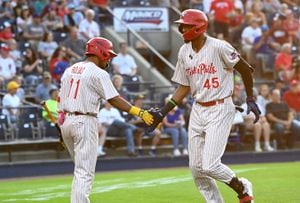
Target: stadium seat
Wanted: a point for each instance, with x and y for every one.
(30, 115)
(24, 130)
(59, 36)
(6, 128)
(50, 130)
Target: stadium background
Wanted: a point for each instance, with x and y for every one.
(32, 150)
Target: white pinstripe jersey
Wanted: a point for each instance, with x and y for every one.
(83, 85)
(209, 73)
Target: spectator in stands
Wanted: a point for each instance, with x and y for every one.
(51, 4)
(75, 46)
(263, 98)
(281, 86)
(174, 125)
(52, 105)
(73, 18)
(135, 120)
(11, 102)
(32, 66)
(38, 6)
(15, 54)
(236, 24)
(265, 48)
(296, 75)
(282, 119)
(169, 3)
(42, 90)
(23, 20)
(292, 98)
(6, 11)
(117, 81)
(256, 9)
(222, 11)
(248, 36)
(7, 65)
(35, 31)
(6, 33)
(20, 91)
(88, 28)
(292, 25)
(236, 95)
(290, 3)
(101, 140)
(111, 119)
(270, 7)
(47, 46)
(124, 64)
(278, 33)
(62, 8)
(52, 21)
(248, 4)
(58, 63)
(99, 3)
(260, 128)
(283, 62)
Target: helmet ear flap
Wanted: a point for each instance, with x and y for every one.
(105, 55)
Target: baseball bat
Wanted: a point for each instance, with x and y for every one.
(53, 120)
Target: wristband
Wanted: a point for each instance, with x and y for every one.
(173, 102)
(134, 110)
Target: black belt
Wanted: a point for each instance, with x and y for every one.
(76, 113)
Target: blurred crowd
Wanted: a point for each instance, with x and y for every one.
(39, 39)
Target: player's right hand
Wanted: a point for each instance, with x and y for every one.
(146, 116)
(157, 116)
(252, 106)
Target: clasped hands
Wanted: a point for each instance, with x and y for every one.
(152, 117)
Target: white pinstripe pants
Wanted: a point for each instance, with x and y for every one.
(80, 134)
(209, 129)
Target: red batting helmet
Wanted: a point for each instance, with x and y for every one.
(196, 18)
(100, 47)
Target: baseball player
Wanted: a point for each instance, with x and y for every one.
(205, 67)
(83, 85)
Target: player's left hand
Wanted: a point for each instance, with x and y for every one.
(252, 106)
(158, 117)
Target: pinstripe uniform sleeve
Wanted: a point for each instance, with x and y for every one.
(107, 89)
(179, 75)
(229, 55)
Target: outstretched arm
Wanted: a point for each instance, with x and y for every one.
(124, 105)
(158, 115)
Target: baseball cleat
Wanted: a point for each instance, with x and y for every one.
(247, 193)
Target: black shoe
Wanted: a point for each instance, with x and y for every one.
(152, 152)
(140, 152)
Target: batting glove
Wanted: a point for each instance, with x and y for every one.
(157, 116)
(143, 114)
(252, 106)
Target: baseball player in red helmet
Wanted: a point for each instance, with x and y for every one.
(83, 86)
(205, 68)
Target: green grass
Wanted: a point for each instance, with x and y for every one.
(273, 183)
